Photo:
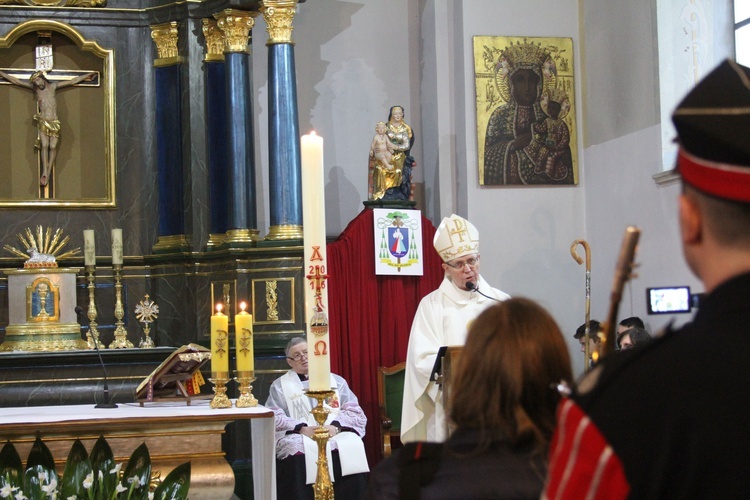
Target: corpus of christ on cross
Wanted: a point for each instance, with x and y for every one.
(44, 82)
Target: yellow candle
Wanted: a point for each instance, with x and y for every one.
(243, 327)
(314, 232)
(219, 341)
(89, 247)
(117, 246)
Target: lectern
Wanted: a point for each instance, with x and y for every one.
(443, 373)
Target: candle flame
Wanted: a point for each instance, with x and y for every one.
(243, 306)
(312, 132)
(219, 307)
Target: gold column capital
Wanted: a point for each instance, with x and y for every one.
(165, 37)
(236, 25)
(214, 40)
(278, 15)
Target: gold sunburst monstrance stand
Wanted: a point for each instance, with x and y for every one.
(41, 296)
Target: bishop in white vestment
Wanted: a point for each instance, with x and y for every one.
(442, 319)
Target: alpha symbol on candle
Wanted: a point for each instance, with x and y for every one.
(316, 254)
(321, 348)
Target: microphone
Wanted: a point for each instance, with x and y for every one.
(106, 403)
(470, 286)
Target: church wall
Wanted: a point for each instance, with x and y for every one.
(525, 232)
(623, 152)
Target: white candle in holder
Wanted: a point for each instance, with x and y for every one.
(117, 246)
(314, 232)
(89, 247)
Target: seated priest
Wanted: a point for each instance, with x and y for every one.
(297, 452)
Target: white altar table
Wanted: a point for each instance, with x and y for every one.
(174, 433)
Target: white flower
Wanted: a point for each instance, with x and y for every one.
(89, 480)
(101, 476)
(150, 495)
(120, 488)
(72, 497)
(117, 468)
(6, 490)
(21, 496)
(134, 481)
(50, 488)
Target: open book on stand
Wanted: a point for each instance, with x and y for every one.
(177, 378)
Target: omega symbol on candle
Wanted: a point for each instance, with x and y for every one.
(321, 348)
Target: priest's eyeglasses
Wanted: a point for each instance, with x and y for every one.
(459, 266)
(298, 357)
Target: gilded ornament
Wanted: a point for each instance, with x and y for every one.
(56, 3)
(214, 40)
(272, 300)
(146, 311)
(279, 16)
(236, 25)
(42, 248)
(165, 37)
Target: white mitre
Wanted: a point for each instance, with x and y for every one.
(455, 237)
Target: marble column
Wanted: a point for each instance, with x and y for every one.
(168, 89)
(216, 133)
(240, 190)
(284, 176)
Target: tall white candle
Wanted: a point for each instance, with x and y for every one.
(117, 246)
(89, 247)
(314, 231)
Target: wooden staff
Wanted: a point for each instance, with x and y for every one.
(623, 273)
(587, 334)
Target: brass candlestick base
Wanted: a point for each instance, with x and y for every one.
(121, 335)
(246, 399)
(323, 486)
(220, 399)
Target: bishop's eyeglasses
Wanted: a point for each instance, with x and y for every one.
(459, 266)
(298, 357)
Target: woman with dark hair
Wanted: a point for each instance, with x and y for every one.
(632, 337)
(503, 410)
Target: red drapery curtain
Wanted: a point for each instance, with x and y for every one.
(370, 316)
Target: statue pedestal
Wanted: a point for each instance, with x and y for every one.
(42, 311)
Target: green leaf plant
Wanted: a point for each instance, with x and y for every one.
(87, 477)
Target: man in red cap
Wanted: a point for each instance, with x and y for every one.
(670, 419)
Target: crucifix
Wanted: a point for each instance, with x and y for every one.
(44, 82)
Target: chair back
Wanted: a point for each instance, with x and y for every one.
(390, 402)
(393, 392)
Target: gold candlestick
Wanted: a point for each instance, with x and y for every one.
(246, 399)
(92, 336)
(121, 335)
(323, 486)
(220, 399)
